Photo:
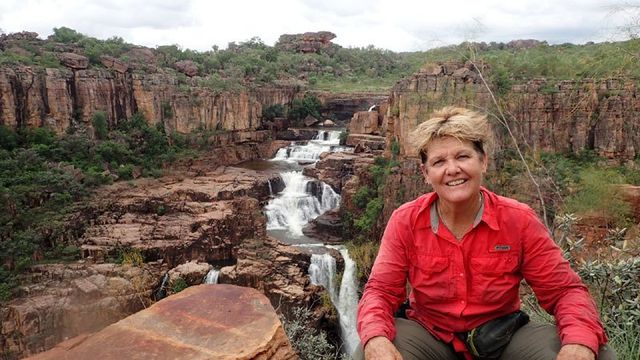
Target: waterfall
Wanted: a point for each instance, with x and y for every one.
(295, 206)
(322, 271)
(302, 200)
(212, 276)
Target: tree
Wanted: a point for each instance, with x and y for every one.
(66, 35)
(100, 125)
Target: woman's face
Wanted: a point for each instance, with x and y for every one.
(454, 168)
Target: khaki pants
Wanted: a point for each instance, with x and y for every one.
(531, 342)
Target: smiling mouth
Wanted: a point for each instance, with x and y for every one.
(456, 182)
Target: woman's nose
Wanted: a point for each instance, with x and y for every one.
(452, 168)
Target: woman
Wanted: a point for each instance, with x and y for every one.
(464, 251)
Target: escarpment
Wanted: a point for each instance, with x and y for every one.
(62, 97)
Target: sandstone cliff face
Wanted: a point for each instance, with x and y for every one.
(58, 98)
(570, 116)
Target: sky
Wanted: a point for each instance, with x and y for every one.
(398, 25)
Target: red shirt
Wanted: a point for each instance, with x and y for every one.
(460, 284)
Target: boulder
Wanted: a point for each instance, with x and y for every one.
(192, 272)
(201, 322)
(366, 143)
(327, 227)
(74, 61)
(309, 42)
(278, 270)
(187, 67)
(310, 121)
(114, 64)
(328, 122)
(365, 122)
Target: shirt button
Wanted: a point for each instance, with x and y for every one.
(461, 274)
(462, 302)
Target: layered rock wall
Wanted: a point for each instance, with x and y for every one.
(570, 116)
(58, 98)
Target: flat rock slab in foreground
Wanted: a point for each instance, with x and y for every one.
(201, 322)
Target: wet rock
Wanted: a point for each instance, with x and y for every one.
(201, 322)
(277, 270)
(192, 272)
(297, 134)
(327, 228)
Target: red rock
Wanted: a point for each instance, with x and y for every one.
(115, 64)
(74, 61)
(365, 122)
(201, 322)
(186, 67)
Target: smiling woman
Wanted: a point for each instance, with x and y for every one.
(464, 251)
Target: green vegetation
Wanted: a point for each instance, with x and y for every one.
(178, 285)
(308, 341)
(597, 194)
(301, 108)
(44, 178)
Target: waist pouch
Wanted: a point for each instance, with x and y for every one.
(488, 340)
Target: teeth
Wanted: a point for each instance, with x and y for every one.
(456, 182)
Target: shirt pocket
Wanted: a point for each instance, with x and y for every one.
(430, 279)
(494, 279)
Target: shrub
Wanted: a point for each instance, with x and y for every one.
(598, 194)
(132, 257)
(367, 221)
(125, 172)
(308, 342)
(66, 35)
(8, 138)
(301, 108)
(113, 152)
(100, 125)
(344, 134)
(273, 111)
(178, 285)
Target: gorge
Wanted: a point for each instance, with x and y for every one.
(264, 203)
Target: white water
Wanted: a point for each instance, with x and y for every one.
(295, 206)
(212, 277)
(322, 271)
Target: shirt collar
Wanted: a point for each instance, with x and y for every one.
(487, 213)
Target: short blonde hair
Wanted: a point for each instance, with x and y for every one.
(457, 122)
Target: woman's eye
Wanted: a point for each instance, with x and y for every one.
(437, 162)
(463, 156)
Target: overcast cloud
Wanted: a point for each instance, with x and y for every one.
(399, 25)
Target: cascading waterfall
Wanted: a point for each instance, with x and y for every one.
(295, 206)
(212, 276)
(322, 271)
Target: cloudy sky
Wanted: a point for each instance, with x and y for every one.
(399, 25)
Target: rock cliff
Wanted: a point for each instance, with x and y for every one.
(568, 116)
(58, 98)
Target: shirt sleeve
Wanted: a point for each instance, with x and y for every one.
(385, 290)
(559, 290)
